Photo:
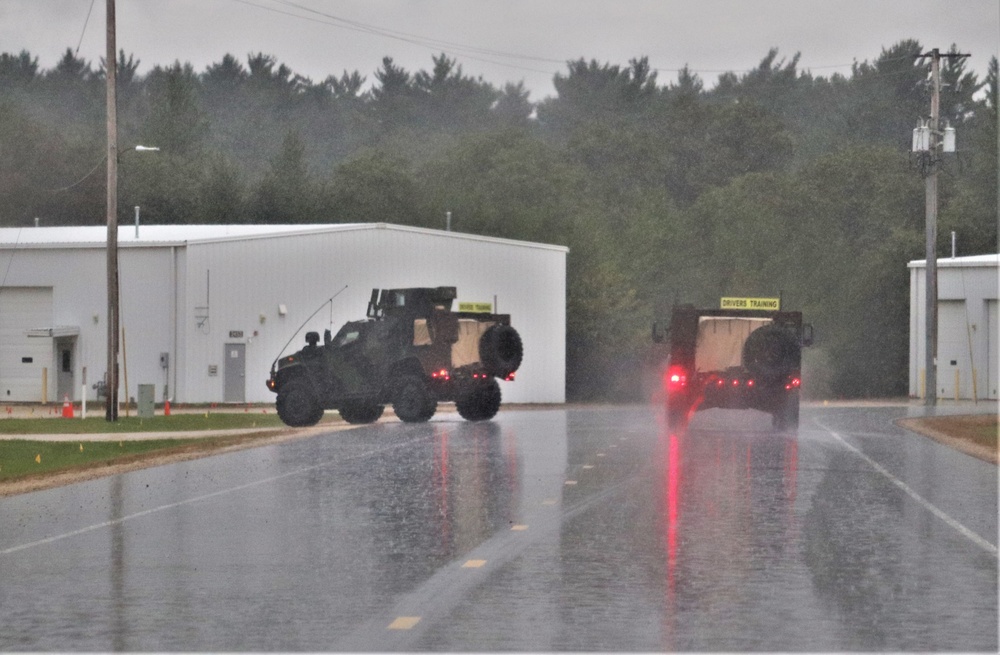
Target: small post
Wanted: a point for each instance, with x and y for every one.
(447, 221)
(137, 222)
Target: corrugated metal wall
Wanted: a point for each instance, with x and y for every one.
(77, 277)
(966, 337)
(191, 300)
(243, 283)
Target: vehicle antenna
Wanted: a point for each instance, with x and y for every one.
(328, 300)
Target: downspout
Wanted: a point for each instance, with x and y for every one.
(173, 322)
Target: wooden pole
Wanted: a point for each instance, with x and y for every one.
(111, 69)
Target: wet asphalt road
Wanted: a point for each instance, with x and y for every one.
(562, 529)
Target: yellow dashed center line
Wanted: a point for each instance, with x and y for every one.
(474, 564)
(519, 528)
(570, 482)
(588, 466)
(404, 623)
(549, 501)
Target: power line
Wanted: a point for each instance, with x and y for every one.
(487, 55)
(84, 30)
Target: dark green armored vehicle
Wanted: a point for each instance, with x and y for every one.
(412, 351)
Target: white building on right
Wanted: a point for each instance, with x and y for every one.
(968, 327)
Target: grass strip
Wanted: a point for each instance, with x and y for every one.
(978, 429)
(23, 457)
(126, 425)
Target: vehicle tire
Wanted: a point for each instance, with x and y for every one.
(361, 413)
(480, 404)
(501, 350)
(787, 416)
(677, 415)
(297, 405)
(413, 403)
(771, 352)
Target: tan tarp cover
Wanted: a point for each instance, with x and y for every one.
(720, 341)
(421, 333)
(465, 351)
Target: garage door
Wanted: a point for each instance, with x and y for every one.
(22, 358)
(992, 341)
(953, 351)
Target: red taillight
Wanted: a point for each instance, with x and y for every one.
(736, 383)
(794, 383)
(441, 375)
(509, 378)
(676, 377)
(749, 383)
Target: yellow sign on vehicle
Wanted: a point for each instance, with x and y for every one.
(478, 307)
(770, 304)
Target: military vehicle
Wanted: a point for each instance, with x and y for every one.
(745, 355)
(411, 351)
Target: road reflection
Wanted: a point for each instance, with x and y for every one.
(728, 514)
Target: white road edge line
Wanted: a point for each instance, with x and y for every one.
(154, 510)
(961, 529)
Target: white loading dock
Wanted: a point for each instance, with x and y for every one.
(206, 309)
(968, 327)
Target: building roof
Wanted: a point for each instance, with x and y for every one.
(182, 235)
(984, 261)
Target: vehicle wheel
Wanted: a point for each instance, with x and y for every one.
(501, 350)
(297, 406)
(361, 412)
(413, 403)
(481, 404)
(787, 416)
(677, 415)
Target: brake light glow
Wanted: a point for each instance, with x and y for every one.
(441, 375)
(676, 377)
(509, 378)
(749, 383)
(794, 383)
(736, 383)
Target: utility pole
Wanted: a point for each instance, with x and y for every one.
(111, 69)
(933, 160)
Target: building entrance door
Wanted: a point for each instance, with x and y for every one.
(65, 361)
(234, 368)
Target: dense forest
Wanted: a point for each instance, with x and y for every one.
(773, 180)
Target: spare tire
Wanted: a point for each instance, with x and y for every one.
(771, 352)
(500, 350)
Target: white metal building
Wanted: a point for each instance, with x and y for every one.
(206, 309)
(968, 327)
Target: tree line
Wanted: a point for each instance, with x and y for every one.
(772, 180)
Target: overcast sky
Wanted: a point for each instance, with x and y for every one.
(502, 40)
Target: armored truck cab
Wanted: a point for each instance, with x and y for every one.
(735, 359)
(411, 351)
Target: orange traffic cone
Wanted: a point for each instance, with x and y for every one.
(166, 407)
(67, 407)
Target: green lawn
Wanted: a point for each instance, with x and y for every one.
(175, 422)
(22, 457)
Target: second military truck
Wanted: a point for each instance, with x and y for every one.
(412, 351)
(745, 355)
